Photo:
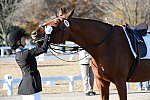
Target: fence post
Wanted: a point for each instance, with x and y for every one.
(2, 52)
(71, 57)
(71, 83)
(8, 85)
(51, 83)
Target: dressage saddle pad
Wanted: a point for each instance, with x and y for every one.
(137, 42)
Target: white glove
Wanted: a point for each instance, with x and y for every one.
(48, 29)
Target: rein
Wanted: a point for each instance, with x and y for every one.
(75, 48)
(68, 54)
(63, 28)
(91, 46)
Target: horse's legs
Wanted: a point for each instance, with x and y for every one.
(103, 89)
(103, 86)
(121, 87)
(98, 84)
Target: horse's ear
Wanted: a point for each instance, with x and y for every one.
(69, 14)
(61, 12)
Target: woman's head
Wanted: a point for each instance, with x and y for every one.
(14, 39)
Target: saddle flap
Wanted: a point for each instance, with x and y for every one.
(137, 41)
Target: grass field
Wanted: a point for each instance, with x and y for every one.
(49, 67)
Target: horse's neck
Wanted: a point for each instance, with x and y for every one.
(87, 32)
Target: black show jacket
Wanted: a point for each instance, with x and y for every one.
(31, 79)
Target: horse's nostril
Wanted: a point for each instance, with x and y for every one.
(34, 33)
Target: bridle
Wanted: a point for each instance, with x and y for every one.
(63, 29)
(55, 30)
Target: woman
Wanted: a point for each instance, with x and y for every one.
(25, 58)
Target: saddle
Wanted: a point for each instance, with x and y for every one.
(137, 41)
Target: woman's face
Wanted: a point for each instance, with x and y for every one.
(23, 41)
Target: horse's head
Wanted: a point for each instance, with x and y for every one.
(59, 25)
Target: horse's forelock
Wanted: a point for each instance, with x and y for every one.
(53, 22)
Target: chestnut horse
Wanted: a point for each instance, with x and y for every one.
(108, 46)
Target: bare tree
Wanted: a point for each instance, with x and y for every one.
(7, 7)
(31, 12)
(124, 11)
(113, 11)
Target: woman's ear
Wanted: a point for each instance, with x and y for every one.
(23, 41)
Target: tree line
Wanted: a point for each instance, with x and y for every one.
(28, 14)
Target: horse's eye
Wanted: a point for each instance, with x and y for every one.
(56, 23)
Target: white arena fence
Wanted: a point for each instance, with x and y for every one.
(3, 49)
(8, 82)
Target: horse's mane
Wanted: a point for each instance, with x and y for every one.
(92, 21)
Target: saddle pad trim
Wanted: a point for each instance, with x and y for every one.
(133, 52)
